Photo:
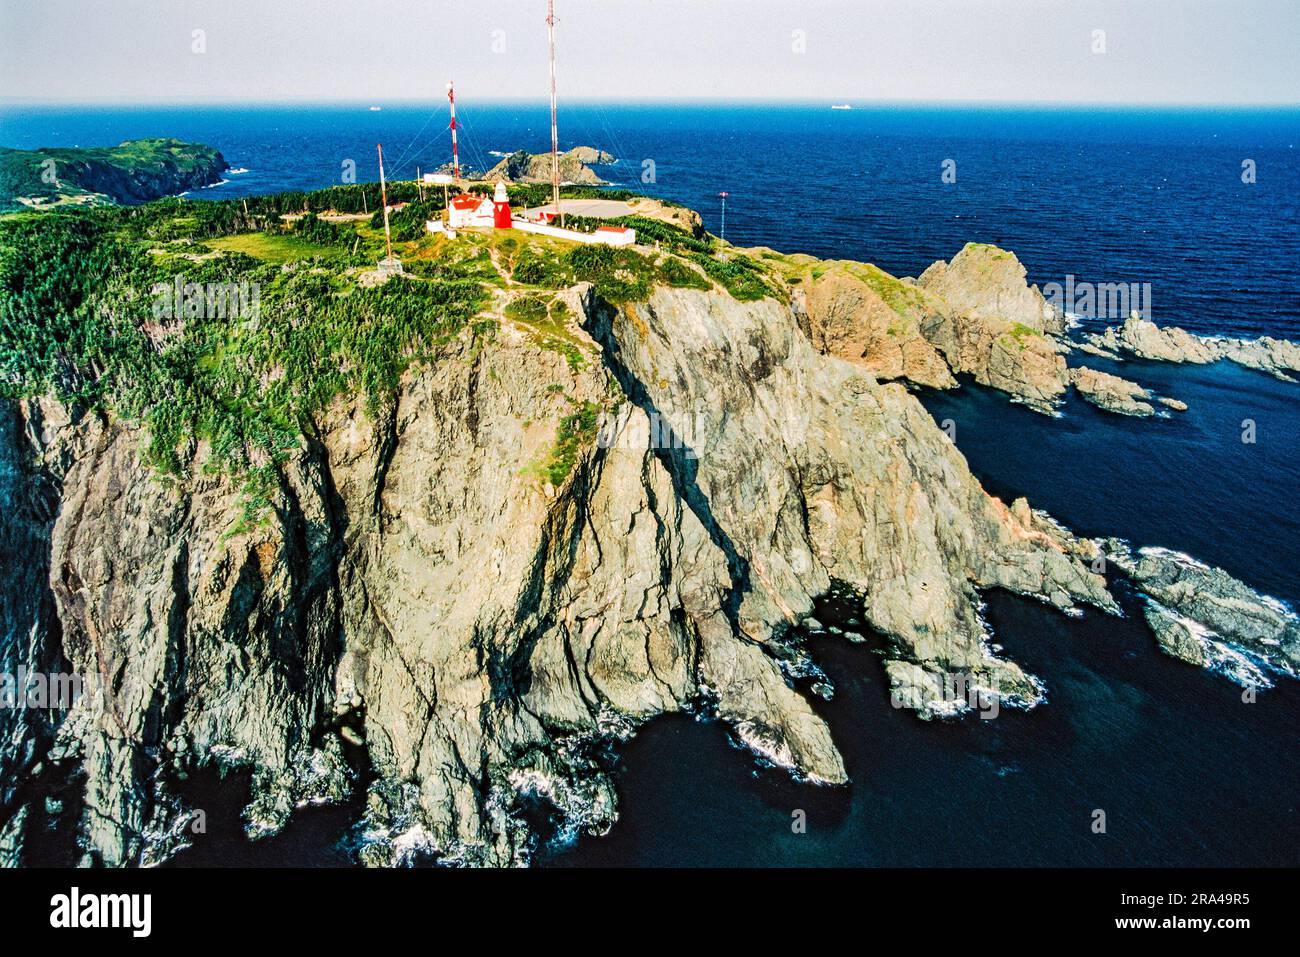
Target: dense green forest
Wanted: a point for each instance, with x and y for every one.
(79, 304)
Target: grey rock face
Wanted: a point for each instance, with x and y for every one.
(29, 496)
(845, 316)
(854, 483)
(1208, 618)
(994, 326)
(477, 616)
(985, 282)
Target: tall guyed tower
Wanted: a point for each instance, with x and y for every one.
(388, 264)
(555, 135)
(455, 150)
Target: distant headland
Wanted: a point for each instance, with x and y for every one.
(135, 171)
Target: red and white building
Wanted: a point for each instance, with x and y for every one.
(468, 210)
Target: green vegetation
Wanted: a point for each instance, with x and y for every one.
(898, 295)
(998, 253)
(134, 172)
(81, 313)
(1020, 334)
(741, 276)
(617, 274)
(575, 432)
(674, 272)
(271, 247)
(548, 321)
(78, 317)
(745, 279)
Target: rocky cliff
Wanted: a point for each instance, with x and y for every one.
(526, 551)
(419, 580)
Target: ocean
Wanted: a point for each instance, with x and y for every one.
(1185, 771)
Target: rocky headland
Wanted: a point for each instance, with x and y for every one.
(611, 492)
(135, 171)
(575, 167)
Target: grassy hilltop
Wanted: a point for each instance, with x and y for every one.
(79, 318)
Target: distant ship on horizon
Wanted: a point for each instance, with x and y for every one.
(841, 106)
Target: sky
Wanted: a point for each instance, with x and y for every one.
(1068, 51)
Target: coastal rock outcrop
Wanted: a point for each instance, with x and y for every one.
(132, 172)
(428, 581)
(985, 283)
(1114, 394)
(1143, 338)
(857, 313)
(1208, 618)
(575, 167)
(528, 547)
(989, 323)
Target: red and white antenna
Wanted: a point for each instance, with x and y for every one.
(383, 195)
(455, 149)
(723, 233)
(555, 135)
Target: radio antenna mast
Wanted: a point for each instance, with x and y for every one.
(455, 151)
(383, 198)
(555, 136)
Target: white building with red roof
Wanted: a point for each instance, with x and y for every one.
(469, 209)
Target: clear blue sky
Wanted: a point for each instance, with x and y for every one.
(1165, 51)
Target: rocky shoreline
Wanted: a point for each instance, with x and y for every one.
(1144, 339)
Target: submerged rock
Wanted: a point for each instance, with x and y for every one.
(1114, 394)
(1111, 393)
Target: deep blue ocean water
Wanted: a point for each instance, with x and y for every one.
(1186, 772)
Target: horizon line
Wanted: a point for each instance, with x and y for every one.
(862, 103)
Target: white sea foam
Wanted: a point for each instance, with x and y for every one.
(1182, 558)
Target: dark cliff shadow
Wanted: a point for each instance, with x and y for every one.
(679, 459)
